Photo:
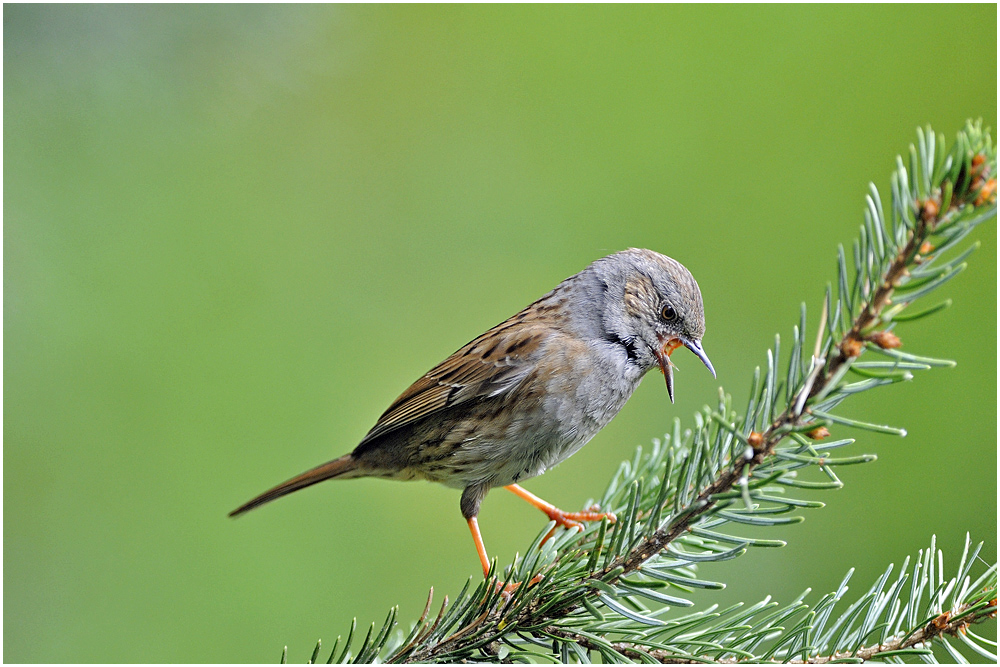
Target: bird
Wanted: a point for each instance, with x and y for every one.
(530, 392)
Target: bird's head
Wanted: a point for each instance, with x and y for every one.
(652, 306)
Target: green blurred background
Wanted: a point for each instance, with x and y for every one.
(233, 235)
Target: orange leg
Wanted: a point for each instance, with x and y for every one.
(564, 519)
(477, 537)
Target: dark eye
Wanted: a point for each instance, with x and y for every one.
(668, 314)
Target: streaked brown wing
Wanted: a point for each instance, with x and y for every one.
(490, 365)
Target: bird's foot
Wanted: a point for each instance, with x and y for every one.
(509, 589)
(573, 519)
(564, 519)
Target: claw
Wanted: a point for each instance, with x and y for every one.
(511, 588)
(572, 519)
(564, 519)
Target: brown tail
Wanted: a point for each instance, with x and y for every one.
(335, 468)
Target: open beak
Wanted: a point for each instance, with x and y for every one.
(663, 356)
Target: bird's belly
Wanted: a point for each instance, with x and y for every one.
(524, 459)
(536, 441)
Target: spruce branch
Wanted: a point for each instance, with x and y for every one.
(914, 644)
(864, 331)
(614, 588)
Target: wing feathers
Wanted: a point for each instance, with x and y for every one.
(491, 365)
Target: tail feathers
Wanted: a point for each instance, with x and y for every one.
(336, 468)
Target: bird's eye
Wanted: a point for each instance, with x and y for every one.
(668, 313)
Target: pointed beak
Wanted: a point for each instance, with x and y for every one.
(663, 357)
(699, 351)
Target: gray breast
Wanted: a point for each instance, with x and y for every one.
(574, 408)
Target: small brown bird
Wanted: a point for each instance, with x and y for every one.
(533, 390)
